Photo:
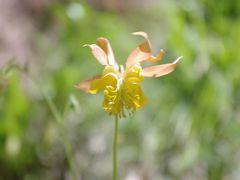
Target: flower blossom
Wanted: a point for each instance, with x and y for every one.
(122, 90)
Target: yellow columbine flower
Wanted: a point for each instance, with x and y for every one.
(122, 90)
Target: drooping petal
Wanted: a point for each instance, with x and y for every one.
(86, 84)
(141, 53)
(106, 47)
(160, 70)
(98, 53)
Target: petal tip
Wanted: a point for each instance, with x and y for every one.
(177, 60)
(77, 87)
(80, 87)
(86, 45)
(141, 33)
(101, 38)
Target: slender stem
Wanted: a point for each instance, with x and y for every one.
(60, 120)
(115, 142)
(67, 146)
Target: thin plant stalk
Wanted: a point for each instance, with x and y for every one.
(59, 118)
(67, 146)
(115, 142)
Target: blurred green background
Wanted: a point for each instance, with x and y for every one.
(190, 128)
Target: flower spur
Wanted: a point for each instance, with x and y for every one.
(122, 90)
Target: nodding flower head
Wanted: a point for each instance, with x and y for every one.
(122, 88)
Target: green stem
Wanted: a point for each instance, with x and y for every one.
(67, 146)
(59, 118)
(115, 142)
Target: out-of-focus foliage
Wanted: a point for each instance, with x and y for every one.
(189, 130)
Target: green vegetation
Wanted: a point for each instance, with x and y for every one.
(190, 128)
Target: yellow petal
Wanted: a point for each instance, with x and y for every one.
(133, 96)
(96, 86)
(98, 53)
(109, 69)
(86, 84)
(141, 53)
(160, 70)
(109, 78)
(106, 47)
(133, 73)
(123, 95)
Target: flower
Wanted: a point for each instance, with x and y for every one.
(122, 90)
